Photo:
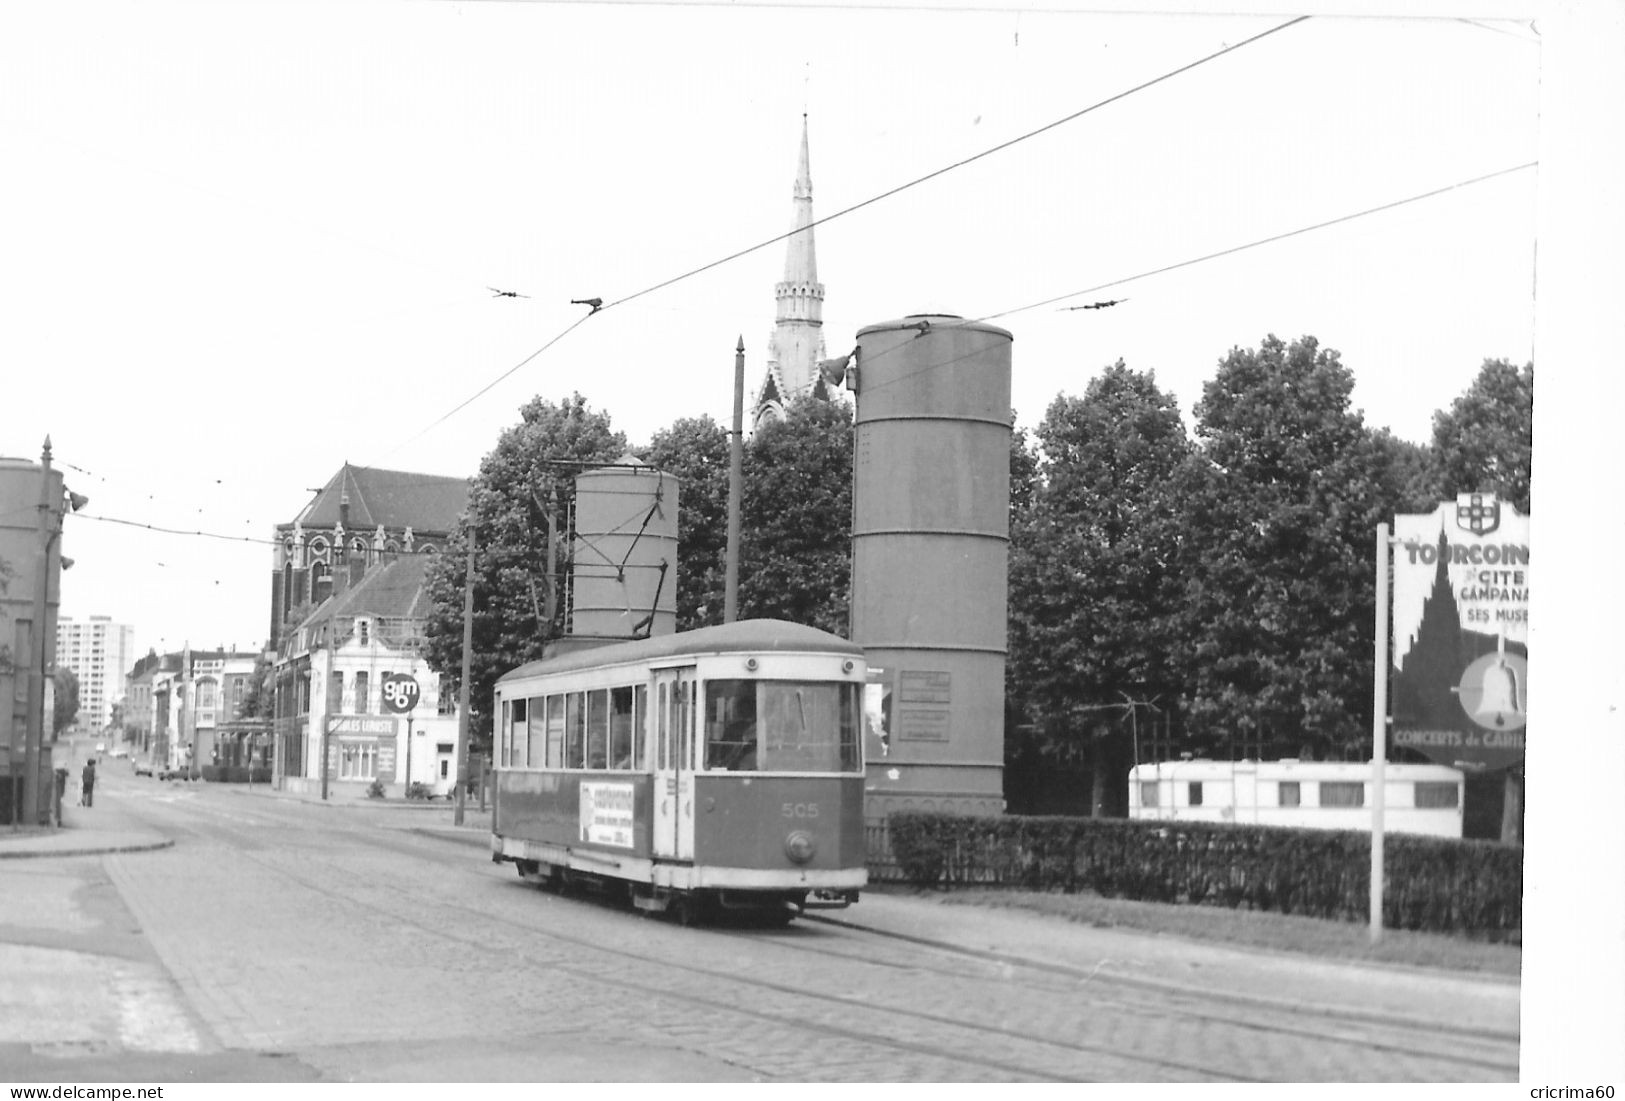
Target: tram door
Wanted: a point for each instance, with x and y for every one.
(674, 764)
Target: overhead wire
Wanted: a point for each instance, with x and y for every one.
(1120, 281)
(1164, 269)
(843, 212)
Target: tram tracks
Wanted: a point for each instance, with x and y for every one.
(1485, 1048)
(961, 1027)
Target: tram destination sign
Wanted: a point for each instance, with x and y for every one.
(1461, 632)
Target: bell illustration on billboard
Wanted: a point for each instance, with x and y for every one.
(1492, 690)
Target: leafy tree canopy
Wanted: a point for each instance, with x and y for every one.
(519, 483)
(66, 695)
(1280, 590)
(1484, 441)
(695, 451)
(1094, 587)
(796, 557)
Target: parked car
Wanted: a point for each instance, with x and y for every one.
(119, 751)
(142, 768)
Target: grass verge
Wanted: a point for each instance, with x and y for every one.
(1254, 929)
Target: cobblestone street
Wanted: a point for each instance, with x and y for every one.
(277, 939)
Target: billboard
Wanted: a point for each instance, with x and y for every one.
(1461, 632)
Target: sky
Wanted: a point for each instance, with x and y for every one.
(262, 240)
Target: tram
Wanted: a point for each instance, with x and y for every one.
(715, 768)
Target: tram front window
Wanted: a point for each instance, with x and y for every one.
(781, 726)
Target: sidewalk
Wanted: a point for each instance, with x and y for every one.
(85, 831)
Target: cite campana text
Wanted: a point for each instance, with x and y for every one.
(1493, 585)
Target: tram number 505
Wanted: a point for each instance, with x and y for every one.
(801, 810)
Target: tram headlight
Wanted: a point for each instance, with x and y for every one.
(800, 846)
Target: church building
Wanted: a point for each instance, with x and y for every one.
(360, 517)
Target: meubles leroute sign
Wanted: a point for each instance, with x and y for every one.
(1461, 632)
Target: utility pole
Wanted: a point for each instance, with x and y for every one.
(462, 689)
(736, 488)
(330, 704)
(1379, 734)
(34, 733)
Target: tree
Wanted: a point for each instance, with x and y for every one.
(530, 473)
(1095, 582)
(796, 553)
(259, 694)
(1484, 441)
(1407, 475)
(66, 708)
(1280, 589)
(695, 451)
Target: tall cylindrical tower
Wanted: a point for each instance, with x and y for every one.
(625, 554)
(930, 549)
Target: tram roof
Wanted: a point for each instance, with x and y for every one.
(747, 634)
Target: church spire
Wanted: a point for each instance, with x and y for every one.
(797, 343)
(801, 260)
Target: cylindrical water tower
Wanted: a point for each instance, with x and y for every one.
(624, 572)
(930, 550)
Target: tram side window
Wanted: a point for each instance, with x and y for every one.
(597, 728)
(620, 727)
(503, 729)
(663, 732)
(1193, 791)
(685, 724)
(1288, 794)
(640, 723)
(730, 725)
(1148, 793)
(575, 730)
(555, 732)
(517, 732)
(536, 731)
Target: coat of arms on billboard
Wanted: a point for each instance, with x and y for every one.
(1479, 513)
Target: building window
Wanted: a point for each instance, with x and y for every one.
(363, 698)
(1342, 793)
(363, 631)
(1436, 794)
(358, 760)
(1289, 794)
(446, 700)
(1148, 793)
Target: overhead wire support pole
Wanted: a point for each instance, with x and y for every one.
(736, 485)
(462, 689)
(1379, 733)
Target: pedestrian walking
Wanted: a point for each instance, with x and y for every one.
(87, 782)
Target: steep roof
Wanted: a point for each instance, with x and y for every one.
(392, 499)
(395, 587)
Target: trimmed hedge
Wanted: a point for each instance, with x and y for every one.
(1433, 883)
(236, 774)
